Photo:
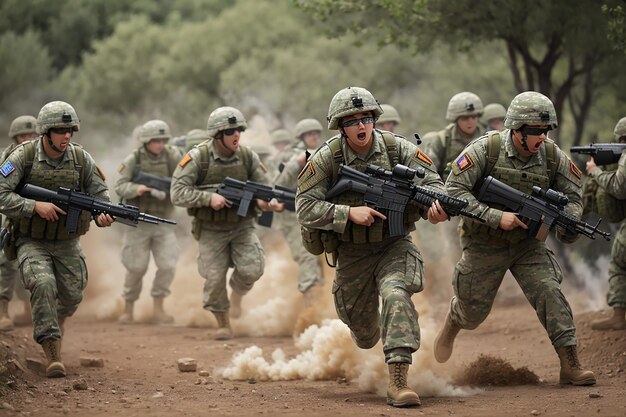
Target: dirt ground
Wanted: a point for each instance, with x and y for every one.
(267, 371)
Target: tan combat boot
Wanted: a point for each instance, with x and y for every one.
(127, 316)
(235, 304)
(159, 316)
(6, 323)
(445, 340)
(615, 322)
(224, 332)
(571, 372)
(25, 318)
(52, 349)
(398, 392)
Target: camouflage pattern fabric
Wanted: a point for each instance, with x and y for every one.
(9, 280)
(444, 146)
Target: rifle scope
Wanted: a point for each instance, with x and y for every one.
(551, 196)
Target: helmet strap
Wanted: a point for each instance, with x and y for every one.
(220, 137)
(51, 144)
(524, 140)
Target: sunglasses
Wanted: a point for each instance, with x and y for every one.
(232, 130)
(62, 130)
(535, 131)
(355, 122)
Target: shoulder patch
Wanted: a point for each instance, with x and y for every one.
(307, 172)
(423, 157)
(574, 169)
(462, 163)
(101, 173)
(7, 168)
(121, 168)
(263, 167)
(184, 161)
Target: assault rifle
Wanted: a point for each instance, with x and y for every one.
(543, 210)
(602, 153)
(158, 182)
(241, 194)
(391, 191)
(73, 202)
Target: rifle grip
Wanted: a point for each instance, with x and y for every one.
(71, 222)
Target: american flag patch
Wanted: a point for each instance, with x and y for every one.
(464, 162)
(7, 168)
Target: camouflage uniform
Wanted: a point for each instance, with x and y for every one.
(488, 251)
(146, 238)
(224, 238)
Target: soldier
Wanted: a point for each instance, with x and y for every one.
(389, 119)
(155, 157)
(370, 263)
(521, 156)
(224, 238)
(22, 129)
(493, 116)
(444, 146)
(614, 182)
(309, 132)
(282, 141)
(51, 261)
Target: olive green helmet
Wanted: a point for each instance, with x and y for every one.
(22, 125)
(57, 114)
(154, 129)
(224, 118)
(351, 100)
(494, 111)
(390, 114)
(530, 108)
(306, 126)
(620, 128)
(281, 136)
(464, 104)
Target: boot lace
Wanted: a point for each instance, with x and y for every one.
(399, 376)
(572, 357)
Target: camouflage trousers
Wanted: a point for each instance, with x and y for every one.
(55, 273)
(9, 280)
(138, 243)
(221, 249)
(479, 273)
(310, 270)
(616, 296)
(392, 270)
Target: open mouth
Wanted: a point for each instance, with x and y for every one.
(361, 136)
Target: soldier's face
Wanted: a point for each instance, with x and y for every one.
(25, 137)
(496, 124)
(388, 126)
(358, 129)
(156, 146)
(535, 136)
(61, 137)
(231, 138)
(312, 139)
(467, 124)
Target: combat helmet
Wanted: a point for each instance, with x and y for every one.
(154, 129)
(530, 108)
(494, 111)
(306, 126)
(620, 128)
(390, 114)
(351, 100)
(224, 118)
(464, 104)
(281, 136)
(57, 114)
(22, 125)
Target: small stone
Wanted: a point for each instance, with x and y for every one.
(61, 394)
(67, 388)
(7, 406)
(204, 373)
(251, 380)
(158, 394)
(187, 365)
(80, 385)
(535, 413)
(11, 384)
(595, 395)
(14, 365)
(91, 362)
(36, 366)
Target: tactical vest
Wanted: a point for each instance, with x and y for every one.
(522, 180)
(35, 226)
(597, 199)
(452, 149)
(213, 175)
(163, 165)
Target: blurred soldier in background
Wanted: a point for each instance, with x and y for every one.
(283, 142)
(389, 119)
(22, 129)
(444, 146)
(493, 116)
(521, 156)
(224, 238)
(614, 182)
(154, 157)
(52, 263)
(370, 263)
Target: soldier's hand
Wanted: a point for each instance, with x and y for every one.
(436, 213)
(364, 215)
(48, 211)
(142, 189)
(104, 220)
(276, 206)
(510, 221)
(302, 159)
(591, 164)
(218, 202)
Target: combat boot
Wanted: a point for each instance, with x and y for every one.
(224, 332)
(235, 304)
(6, 323)
(26, 317)
(571, 372)
(159, 316)
(445, 340)
(127, 316)
(398, 392)
(52, 349)
(615, 322)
